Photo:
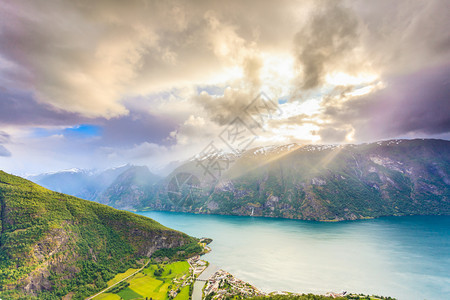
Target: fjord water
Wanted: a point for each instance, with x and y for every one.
(402, 257)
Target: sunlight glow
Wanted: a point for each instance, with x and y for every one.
(367, 89)
(300, 132)
(228, 74)
(344, 79)
(309, 107)
(277, 72)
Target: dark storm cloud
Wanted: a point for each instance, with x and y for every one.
(384, 37)
(329, 35)
(20, 108)
(224, 108)
(67, 63)
(86, 56)
(410, 104)
(136, 128)
(404, 36)
(417, 103)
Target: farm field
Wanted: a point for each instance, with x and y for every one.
(155, 281)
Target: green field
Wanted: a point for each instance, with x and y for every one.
(184, 294)
(121, 276)
(128, 294)
(147, 284)
(107, 296)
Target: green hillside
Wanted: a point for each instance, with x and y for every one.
(53, 245)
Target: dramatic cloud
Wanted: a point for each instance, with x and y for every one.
(20, 108)
(159, 80)
(101, 51)
(404, 36)
(413, 105)
(324, 43)
(136, 129)
(418, 104)
(224, 108)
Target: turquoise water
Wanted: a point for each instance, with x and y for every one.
(403, 257)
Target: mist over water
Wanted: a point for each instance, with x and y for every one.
(402, 257)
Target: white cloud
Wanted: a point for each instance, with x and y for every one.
(106, 59)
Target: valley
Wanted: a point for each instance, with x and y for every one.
(55, 246)
(224, 150)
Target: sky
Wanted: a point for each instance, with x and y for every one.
(97, 84)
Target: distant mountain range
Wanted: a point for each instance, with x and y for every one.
(85, 184)
(312, 182)
(55, 246)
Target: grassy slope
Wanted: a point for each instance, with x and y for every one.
(121, 276)
(146, 284)
(52, 244)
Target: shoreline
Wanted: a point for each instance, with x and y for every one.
(212, 279)
(226, 232)
(282, 218)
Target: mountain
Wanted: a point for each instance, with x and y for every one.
(73, 181)
(130, 188)
(312, 182)
(324, 182)
(80, 183)
(55, 246)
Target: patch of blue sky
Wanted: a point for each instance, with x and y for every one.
(78, 131)
(283, 100)
(44, 132)
(211, 89)
(83, 130)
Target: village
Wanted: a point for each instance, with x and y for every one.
(196, 267)
(222, 284)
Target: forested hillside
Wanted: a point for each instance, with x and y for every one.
(54, 245)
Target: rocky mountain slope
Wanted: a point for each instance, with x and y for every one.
(338, 182)
(131, 188)
(54, 246)
(312, 182)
